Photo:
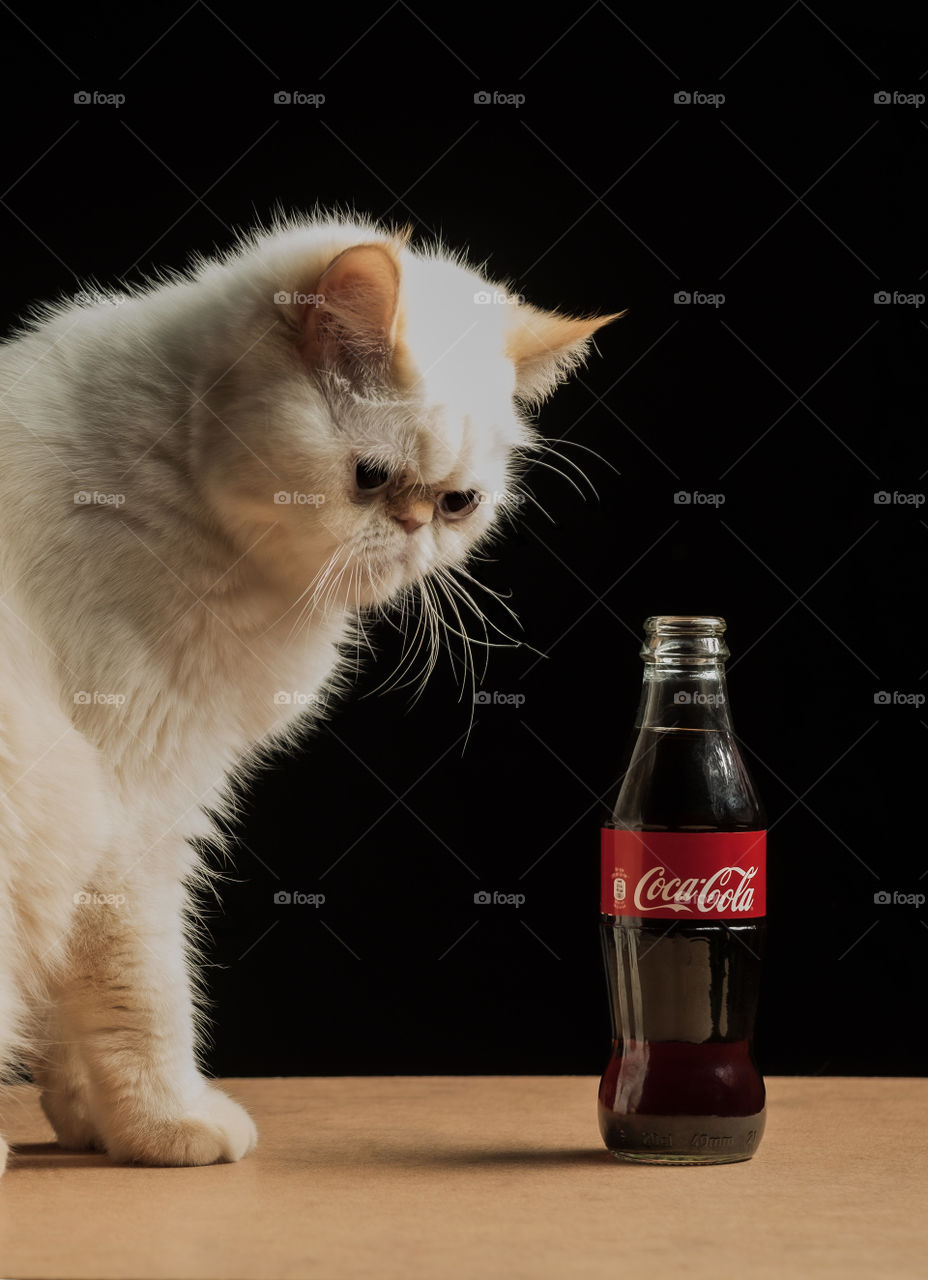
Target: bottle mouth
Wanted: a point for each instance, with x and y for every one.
(685, 638)
(684, 624)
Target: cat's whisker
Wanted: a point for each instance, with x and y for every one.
(430, 630)
(424, 639)
(461, 570)
(538, 462)
(413, 648)
(363, 620)
(450, 587)
(354, 614)
(575, 444)
(549, 450)
(297, 605)
(532, 453)
(435, 621)
(454, 592)
(530, 497)
(453, 588)
(423, 646)
(512, 641)
(312, 592)
(440, 627)
(441, 590)
(361, 572)
(333, 591)
(364, 613)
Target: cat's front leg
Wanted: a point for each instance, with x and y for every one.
(62, 1076)
(130, 1005)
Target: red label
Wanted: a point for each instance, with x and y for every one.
(713, 875)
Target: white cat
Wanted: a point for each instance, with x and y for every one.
(200, 490)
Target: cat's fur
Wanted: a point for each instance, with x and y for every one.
(146, 629)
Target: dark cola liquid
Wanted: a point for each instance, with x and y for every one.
(696, 1102)
(682, 1085)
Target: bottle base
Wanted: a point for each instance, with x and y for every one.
(650, 1157)
(681, 1140)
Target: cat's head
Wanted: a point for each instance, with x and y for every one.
(368, 434)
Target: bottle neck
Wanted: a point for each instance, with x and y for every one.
(685, 772)
(684, 674)
(678, 695)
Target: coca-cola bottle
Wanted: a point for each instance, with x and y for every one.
(682, 922)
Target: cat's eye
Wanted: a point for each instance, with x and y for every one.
(454, 506)
(371, 476)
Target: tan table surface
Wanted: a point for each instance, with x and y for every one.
(443, 1177)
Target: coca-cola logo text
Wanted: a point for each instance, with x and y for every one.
(727, 889)
(670, 875)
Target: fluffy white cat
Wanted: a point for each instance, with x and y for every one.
(201, 489)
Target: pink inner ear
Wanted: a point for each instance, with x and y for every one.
(356, 312)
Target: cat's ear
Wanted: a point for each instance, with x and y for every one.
(350, 323)
(546, 348)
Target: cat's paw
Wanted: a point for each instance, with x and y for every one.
(68, 1115)
(215, 1131)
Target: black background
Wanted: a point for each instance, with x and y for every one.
(797, 399)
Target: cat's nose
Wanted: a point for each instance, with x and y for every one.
(415, 515)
